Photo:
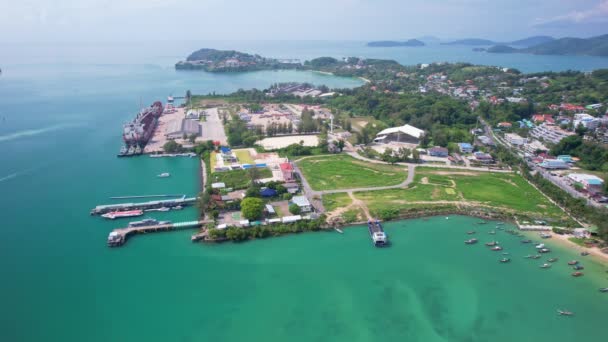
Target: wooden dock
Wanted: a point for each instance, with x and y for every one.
(119, 236)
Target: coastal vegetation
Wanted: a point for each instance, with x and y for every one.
(259, 232)
(344, 172)
(238, 179)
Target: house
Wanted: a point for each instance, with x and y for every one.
(504, 125)
(287, 171)
(292, 188)
(302, 202)
(485, 140)
(465, 147)
(270, 210)
(438, 152)
(586, 120)
(552, 164)
(482, 157)
(590, 183)
(546, 118)
(405, 133)
(515, 139)
(581, 233)
(227, 155)
(218, 185)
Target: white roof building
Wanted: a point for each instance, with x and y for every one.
(405, 129)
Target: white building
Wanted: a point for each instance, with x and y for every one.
(302, 202)
(549, 133)
(588, 121)
(405, 133)
(535, 145)
(515, 139)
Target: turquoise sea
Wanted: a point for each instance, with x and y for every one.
(61, 109)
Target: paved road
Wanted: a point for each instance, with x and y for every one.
(212, 128)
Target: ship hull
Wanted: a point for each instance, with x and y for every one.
(138, 132)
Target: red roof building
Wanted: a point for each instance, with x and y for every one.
(547, 118)
(287, 170)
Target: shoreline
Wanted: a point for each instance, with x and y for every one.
(594, 252)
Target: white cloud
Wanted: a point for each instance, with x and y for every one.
(599, 13)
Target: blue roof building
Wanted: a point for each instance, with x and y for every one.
(465, 147)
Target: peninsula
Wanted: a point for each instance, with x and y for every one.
(232, 61)
(594, 46)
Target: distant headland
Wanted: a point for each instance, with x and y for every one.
(393, 43)
(594, 46)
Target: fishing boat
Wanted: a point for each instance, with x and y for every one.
(584, 253)
(496, 248)
(492, 232)
(147, 222)
(471, 232)
(544, 250)
(482, 222)
(178, 207)
(528, 256)
(500, 223)
(537, 256)
(539, 246)
(604, 289)
(493, 243)
(572, 262)
(565, 313)
(506, 253)
(545, 235)
(577, 274)
(526, 241)
(504, 260)
(470, 241)
(339, 230)
(164, 175)
(545, 265)
(578, 267)
(552, 260)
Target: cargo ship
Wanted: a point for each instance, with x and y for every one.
(138, 132)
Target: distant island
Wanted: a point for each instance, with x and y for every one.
(392, 43)
(212, 60)
(470, 41)
(594, 46)
(232, 61)
(478, 49)
(532, 41)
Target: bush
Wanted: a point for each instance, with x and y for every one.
(252, 208)
(294, 209)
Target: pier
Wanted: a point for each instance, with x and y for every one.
(172, 203)
(119, 236)
(144, 196)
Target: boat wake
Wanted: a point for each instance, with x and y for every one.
(11, 176)
(33, 132)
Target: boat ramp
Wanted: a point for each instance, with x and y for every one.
(169, 203)
(119, 236)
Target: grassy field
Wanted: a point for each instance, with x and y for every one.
(237, 179)
(506, 191)
(344, 172)
(333, 201)
(212, 160)
(244, 156)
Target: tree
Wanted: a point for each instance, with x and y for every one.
(415, 156)
(252, 208)
(388, 156)
(294, 209)
(192, 138)
(341, 144)
(172, 147)
(403, 153)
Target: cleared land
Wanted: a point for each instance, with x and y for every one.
(332, 202)
(440, 188)
(244, 156)
(345, 172)
(237, 179)
(282, 142)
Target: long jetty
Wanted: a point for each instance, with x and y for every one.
(144, 196)
(119, 236)
(170, 203)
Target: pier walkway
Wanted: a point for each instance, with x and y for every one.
(169, 203)
(119, 236)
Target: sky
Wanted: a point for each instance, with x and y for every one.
(150, 20)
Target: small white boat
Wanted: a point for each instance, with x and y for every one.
(164, 175)
(161, 209)
(339, 230)
(179, 207)
(540, 246)
(545, 265)
(565, 312)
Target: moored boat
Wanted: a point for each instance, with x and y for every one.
(470, 232)
(544, 250)
(496, 248)
(537, 256)
(565, 312)
(552, 260)
(493, 243)
(577, 274)
(164, 175)
(470, 241)
(578, 267)
(526, 241)
(120, 214)
(572, 262)
(604, 289)
(584, 253)
(504, 260)
(545, 265)
(147, 222)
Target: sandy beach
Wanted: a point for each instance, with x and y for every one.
(594, 252)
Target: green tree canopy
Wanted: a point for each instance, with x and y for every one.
(252, 208)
